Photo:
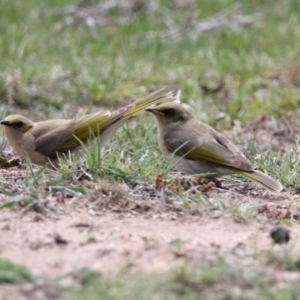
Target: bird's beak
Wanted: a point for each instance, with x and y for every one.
(4, 122)
(154, 111)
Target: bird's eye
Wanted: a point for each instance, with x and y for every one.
(19, 124)
(169, 112)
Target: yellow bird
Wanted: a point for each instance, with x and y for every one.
(198, 148)
(44, 141)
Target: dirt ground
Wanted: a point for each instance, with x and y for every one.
(142, 234)
(80, 237)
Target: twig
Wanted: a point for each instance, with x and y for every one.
(221, 20)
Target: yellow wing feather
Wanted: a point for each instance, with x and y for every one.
(97, 122)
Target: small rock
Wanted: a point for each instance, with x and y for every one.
(280, 235)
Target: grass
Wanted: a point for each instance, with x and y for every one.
(13, 273)
(217, 279)
(49, 70)
(88, 64)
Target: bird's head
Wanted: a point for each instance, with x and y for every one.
(18, 123)
(170, 114)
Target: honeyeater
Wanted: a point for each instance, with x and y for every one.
(198, 148)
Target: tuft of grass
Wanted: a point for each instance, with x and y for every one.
(216, 279)
(289, 169)
(14, 273)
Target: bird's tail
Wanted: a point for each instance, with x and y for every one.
(136, 108)
(100, 121)
(264, 180)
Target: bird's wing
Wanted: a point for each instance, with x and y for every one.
(95, 123)
(56, 140)
(91, 124)
(65, 135)
(99, 122)
(216, 149)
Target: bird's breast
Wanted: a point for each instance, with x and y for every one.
(161, 144)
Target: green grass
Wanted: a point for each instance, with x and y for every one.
(217, 279)
(79, 64)
(13, 273)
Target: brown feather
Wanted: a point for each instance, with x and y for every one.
(197, 141)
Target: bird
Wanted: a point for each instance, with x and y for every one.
(200, 149)
(43, 142)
